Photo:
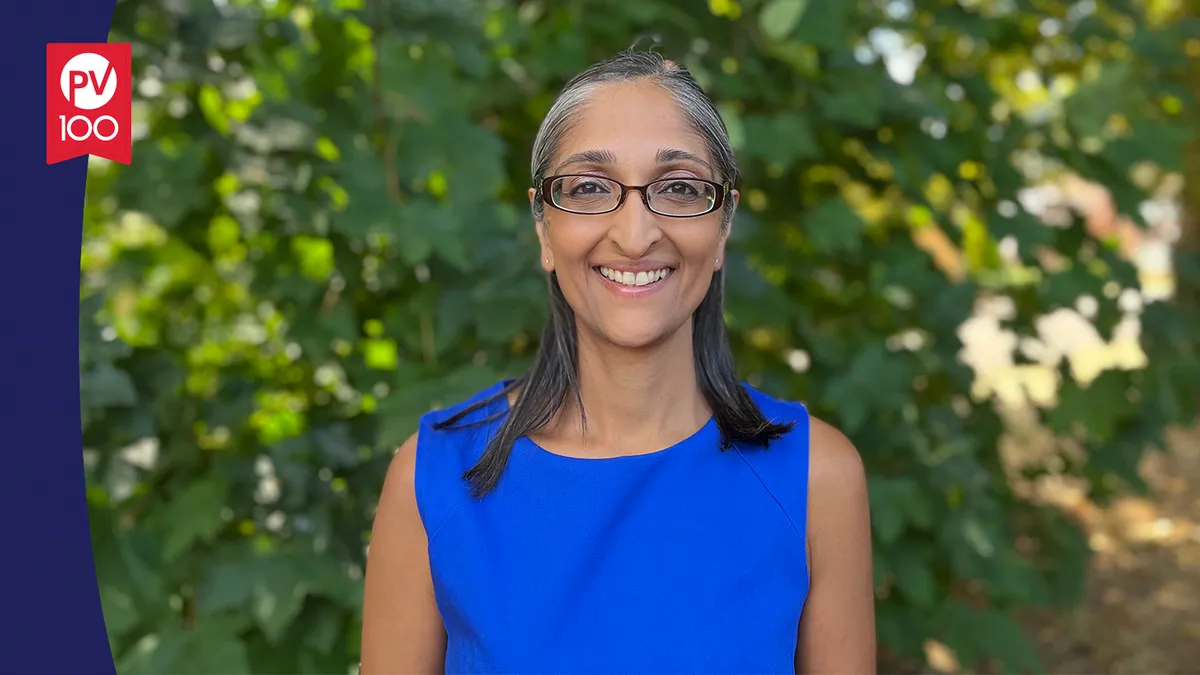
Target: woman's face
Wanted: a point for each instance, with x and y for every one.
(633, 277)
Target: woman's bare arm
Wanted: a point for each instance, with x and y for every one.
(837, 631)
(402, 629)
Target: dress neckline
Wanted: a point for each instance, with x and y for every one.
(707, 433)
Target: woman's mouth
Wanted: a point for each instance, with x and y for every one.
(635, 279)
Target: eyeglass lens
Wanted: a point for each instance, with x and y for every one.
(670, 196)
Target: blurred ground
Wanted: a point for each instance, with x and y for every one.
(1141, 613)
(1142, 610)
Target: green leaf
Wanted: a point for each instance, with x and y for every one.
(802, 58)
(154, 654)
(194, 516)
(454, 316)
(336, 446)
(105, 386)
(120, 610)
(419, 224)
(1169, 391)
(857, 105)
(272, 587)
(854, 411)
(825, 24)
(211, 646)
(914, 502)
(1114, 91)
(1099, 406)
(227, 586)
(782, 139)
(733, 122)
(380, 354)
(212, 105)
(977, 536)
(1008, 643)
(214, 647)
(496, 305)
(323, 630)
(324, 576)
(315, 256)
(779, 17)
(339, 322)
(915, 579)
(886, 518)
(1029, 232)
(451, 247)
(960, 625)
(1064, 288)
(166, 183)
(833, 228)
(902, 629)
(277, 598)
(136, 565)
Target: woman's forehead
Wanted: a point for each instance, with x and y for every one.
(631, 122)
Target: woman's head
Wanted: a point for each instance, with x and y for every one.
(633, 268)
(641, 121)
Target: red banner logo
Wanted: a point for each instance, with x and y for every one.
(89, 101)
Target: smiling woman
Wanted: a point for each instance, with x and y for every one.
(628, 505)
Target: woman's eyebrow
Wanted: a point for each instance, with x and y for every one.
(589, 157)
(607, 158)
(668, 155)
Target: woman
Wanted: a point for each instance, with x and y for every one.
(627, 506)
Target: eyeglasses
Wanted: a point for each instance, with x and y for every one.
(671, 197)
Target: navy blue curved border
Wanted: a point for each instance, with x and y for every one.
(48, 587)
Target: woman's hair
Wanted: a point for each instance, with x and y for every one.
(553, 375)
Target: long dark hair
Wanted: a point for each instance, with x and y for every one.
(554, 374)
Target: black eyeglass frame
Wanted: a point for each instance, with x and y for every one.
(718, 201)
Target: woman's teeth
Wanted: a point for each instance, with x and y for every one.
(635, 279)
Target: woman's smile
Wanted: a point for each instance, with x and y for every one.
(636, 281)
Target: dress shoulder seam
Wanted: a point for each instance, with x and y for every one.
(798, 531)
(428, 430)
(476, 430)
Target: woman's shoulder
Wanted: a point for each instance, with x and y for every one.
(814, 471)
(426, 469)
(832, 462)
(459, 426)
(450, 439)
(834, 457)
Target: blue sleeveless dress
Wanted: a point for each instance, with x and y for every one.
(685, 560)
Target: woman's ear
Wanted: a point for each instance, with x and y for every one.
(719, 260)
(539, 225)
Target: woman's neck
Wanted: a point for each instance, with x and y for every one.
(636, 401)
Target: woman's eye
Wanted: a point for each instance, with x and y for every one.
(681, 188)
(588, 188)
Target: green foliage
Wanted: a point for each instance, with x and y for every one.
(324, 234)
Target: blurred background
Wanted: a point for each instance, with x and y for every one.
(969, 237)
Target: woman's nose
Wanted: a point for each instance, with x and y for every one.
(634, 228)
